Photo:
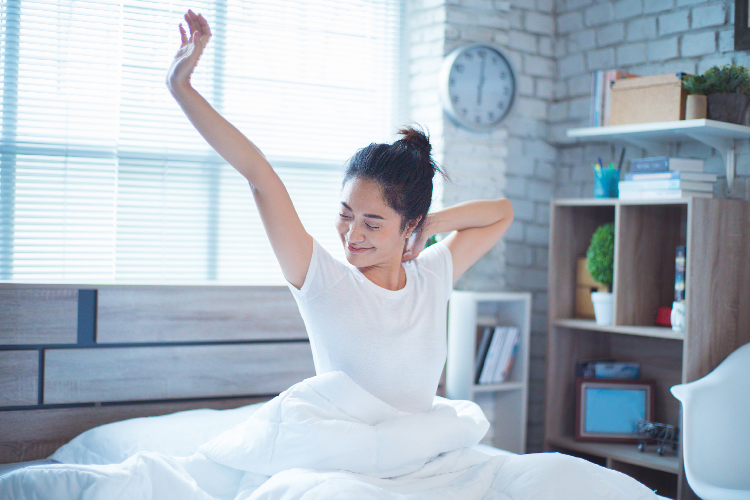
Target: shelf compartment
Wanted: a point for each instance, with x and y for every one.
(660, 360)
(647, 237)
(626, 453)
(571, 229)
(644, 331)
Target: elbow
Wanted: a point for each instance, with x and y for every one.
(506, 209)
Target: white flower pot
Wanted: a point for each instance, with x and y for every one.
(602, 307)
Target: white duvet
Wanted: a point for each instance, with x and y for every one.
(327, 438)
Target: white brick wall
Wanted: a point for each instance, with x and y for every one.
(554, 46)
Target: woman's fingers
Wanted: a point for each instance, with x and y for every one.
(205, 30)
(183, 36)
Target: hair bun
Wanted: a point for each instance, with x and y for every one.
(416, 139)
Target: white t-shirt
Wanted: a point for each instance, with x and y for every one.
(391, 343)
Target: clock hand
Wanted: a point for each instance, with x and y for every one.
(481, 83)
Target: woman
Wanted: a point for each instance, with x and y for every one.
(380, 319)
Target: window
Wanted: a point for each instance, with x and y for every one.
(104, 179)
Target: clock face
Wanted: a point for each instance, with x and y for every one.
(478, 86)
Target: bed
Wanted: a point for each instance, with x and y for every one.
(167, 386)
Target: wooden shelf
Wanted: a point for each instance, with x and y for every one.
(713, 232)
(626, 453)
(505, 386)
(655, 137)
(645, 331)
(613, 202)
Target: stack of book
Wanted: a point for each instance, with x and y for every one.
(497, 350)
(664, 178)
(601, 95)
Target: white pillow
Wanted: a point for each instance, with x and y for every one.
(178, 435)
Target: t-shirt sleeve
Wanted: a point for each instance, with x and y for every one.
(324, 272)
(437, 259)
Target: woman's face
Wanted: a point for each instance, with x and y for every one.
(369, 228)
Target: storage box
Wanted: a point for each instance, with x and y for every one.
(659, 98)
(585, 284)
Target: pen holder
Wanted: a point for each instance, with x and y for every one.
(605, 183)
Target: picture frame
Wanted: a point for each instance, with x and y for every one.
(741, 24)
(607, 410)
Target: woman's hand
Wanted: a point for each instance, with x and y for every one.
(190, 51)
(416, 242)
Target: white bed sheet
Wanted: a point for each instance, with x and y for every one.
(323, 438)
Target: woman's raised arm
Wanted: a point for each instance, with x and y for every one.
(289, 240)
(476, 226)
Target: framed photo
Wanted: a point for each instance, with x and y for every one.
(607, 410)
(741, 25)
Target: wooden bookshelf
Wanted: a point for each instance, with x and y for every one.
(646, 234)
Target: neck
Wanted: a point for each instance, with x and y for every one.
(390, 276)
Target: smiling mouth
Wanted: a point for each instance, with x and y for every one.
(354, 249)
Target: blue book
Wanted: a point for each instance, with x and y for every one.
(665, 164)
(664, 184)
(672, 174)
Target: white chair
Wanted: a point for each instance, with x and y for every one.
(716, 429)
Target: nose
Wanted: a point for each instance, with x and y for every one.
(355, 233)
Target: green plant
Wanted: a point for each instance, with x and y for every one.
(719, 79)
(430, 241)
(600, 256)
(696, 84)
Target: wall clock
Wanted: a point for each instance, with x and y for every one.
(477, 86)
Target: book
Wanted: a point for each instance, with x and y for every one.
(607, 368)
(665, 164)
(510, 347)
(665, 184)
(493, 355)
(672, 174)
(616, 370)
(484, 345)
(596, 99)
(679, 273)
(663, 194)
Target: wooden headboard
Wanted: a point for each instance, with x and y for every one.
(73, 357)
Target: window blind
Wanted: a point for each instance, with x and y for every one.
(103, 178)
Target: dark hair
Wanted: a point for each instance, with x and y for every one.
(404, 171)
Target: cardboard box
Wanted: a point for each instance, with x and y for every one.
(659, 98)
(585, 284)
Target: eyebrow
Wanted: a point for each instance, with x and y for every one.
(371, 216)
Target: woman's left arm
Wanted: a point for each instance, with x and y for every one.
(476, 226)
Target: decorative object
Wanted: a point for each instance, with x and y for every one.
(726, 88)
(715, 434)
(677, 316)
(585, 284)
(741, 25)
(665, 435)
(606, 181)
(600, 258)
(696, 107)
(477, 86)
(609, 410)
(657, 98)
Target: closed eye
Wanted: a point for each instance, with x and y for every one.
(347, 217)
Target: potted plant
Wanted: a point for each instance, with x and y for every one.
(600, 261)
(696, 106)
(726, 89)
